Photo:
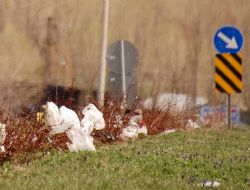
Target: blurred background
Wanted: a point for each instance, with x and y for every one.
(44, 42)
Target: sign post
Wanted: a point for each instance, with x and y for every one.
(228, 41)
(123, 71)
(229, 111)
(102, 68)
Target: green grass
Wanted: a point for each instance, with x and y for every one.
(176, 161)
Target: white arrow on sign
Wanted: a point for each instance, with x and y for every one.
(231, 43)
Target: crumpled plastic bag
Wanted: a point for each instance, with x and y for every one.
(143, 130)
(193, 125)
(69, 119)
(80, 140)
(66, 120)
(210, 184)
(52, 115)
(134, 127)
(2, 137)
(130, 132)
(60, 119)
(93, 119)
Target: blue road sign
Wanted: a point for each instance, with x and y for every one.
(228, 39)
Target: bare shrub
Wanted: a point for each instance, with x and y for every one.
(28, 135)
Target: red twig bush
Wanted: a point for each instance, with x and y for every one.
(26, 134)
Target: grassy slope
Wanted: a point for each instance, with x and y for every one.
(166, 162)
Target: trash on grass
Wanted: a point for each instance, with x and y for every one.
(193, 125)
(168, 131)
(2, 137)
(60, 119)
(130, 132)
(80, 140)
(93, 119)
(66, 120)
(210, 184)
(52, 116)
(135, 127)
(143, 130)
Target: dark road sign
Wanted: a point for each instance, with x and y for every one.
(122, 58)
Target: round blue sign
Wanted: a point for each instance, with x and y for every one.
(228, 39)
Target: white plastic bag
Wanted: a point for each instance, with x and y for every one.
(69, 119)
(210, 184)
(52, 116)
(143, 130)
(133, 128)
(93, 119)
(80, 140)
(2, 137)
(66, 120)
(60, 119)
(193, 125)
(130, 132)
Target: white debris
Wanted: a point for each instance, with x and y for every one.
(137, 120)
(93, 119)
(69, 119)
(210, 184)
(66, 120)
(130, 132)
(80, 140)
(49, 140)
(2, 137)
(168, 131)
(52, 116)
(143, 130)
(173, 101)
(60, 119)
(35, 138)
(193, 125)
(133, 128)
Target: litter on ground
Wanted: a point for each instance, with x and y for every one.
(93, 119)
(60, 119)
(135, 127)
(2, 137)
(192, 124)
(210, 184)
(168, 131)
(66, 120)
(80, 140)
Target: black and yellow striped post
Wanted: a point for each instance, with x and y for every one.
(228, 76)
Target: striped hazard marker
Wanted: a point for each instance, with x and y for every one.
(228, 73)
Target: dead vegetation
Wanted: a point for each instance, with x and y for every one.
(28, 135)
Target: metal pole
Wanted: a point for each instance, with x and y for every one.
(123, 71)
(229, 111)
(102, 71)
